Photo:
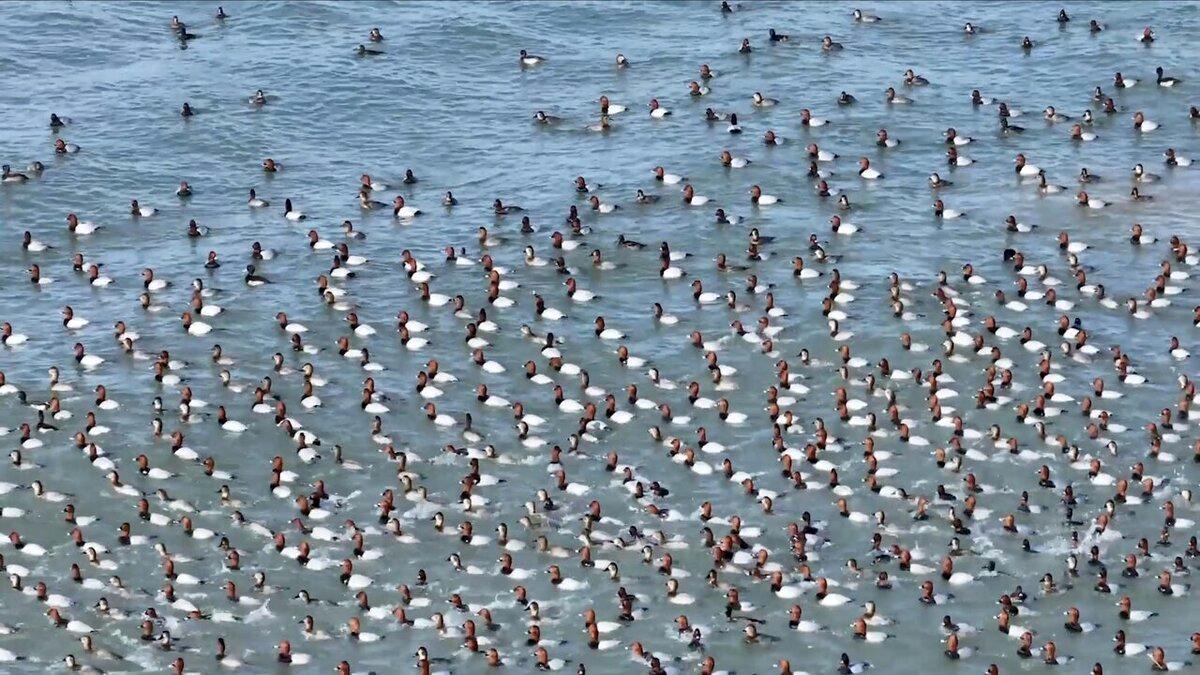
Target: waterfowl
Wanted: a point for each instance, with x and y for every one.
(142, 211)
(252, 278)
(865, 170)
(691, 198)
(255, 202)
(1172, 159)
(865, 17)
(759, 199)
(1142, 124)
(895, 99)
(1078, 134)
(526, 59)
(1082, 199)
(936, 181)
(601, 207)
(1140, 174)
(400, 210)
(368, 204)
(7, 175)
(292, 213)
(1165, 80)
(760, 101)
(944, 213)
(1023, 168)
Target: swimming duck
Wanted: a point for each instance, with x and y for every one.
(1078, 134)
(895, 99)
(1165, 80)
(691, 198)
(9, 176)
(940, 211)
(399, 209)
(760, 101)
(292, 213)
(865, 170)
(255, 202)
(1142, 124)
(142, 211)
(1023, 168)
(759, 199)
(1142, 176)
(526, 59)
(1082, 199)
(77, 227)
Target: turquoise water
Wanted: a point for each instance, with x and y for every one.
(449, 100)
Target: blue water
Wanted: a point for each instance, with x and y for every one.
(449, 101)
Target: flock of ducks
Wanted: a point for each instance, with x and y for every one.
(572, 570)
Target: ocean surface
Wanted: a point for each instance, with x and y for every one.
(449, 99)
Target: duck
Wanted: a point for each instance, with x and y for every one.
(141, 211)
(1025, 169)
(691, 198)
(1140, 174)
(7, 175)
(72, 322)
(758, 198)
(10, 339)
(760, 101)
(865, 17)
(196, 328)
(255, 202)
(601, 207)
(253, 278)
(944, 213)
(368, 204)
(1078, 134)
(400, 210)
(895, 99)
(1165, 80)
(865, 170)
(291, 213)
(527, 60)
(1142, 124)
(1082, 199)
(729, 160)
(936, 181)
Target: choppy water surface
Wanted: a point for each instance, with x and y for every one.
(449, 100)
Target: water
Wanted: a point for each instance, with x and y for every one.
(449, 101)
